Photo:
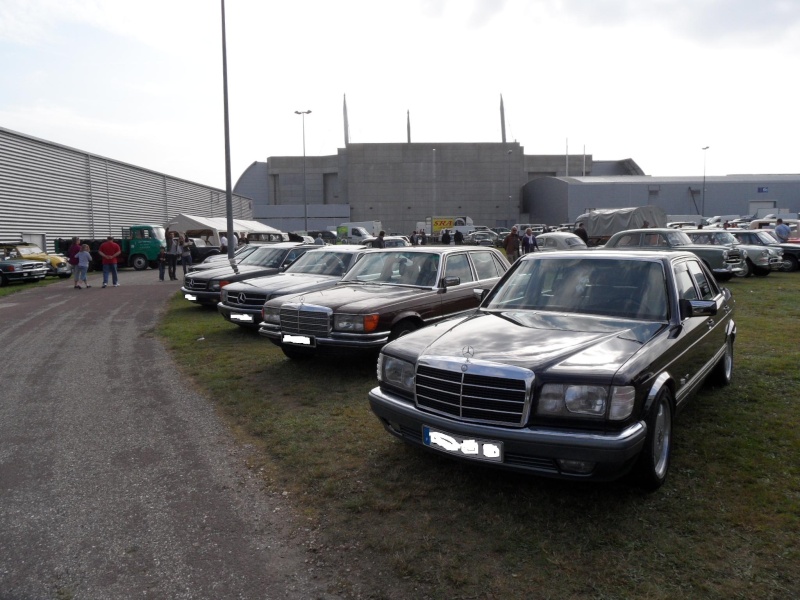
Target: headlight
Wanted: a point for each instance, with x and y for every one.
(271, 314)
(396, 372)
(586, 401)
(355, 323)
(223, 296)
(214, 286)
(724, 255)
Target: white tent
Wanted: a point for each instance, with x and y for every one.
(210, 228)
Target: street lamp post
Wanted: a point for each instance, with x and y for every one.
(703, 193)
(303, 114)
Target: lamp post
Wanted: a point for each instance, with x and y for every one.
(703, 193)
(303, 114)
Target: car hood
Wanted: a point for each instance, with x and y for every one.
(242, 272)
(361, 298)
(539, 341)
(284, 283)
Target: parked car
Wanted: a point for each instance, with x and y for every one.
(390, 241)
(219, 260)
(758, 260)
(387, 294)
(766, 237)
(573, 367)
(560, 240)
(202, 249)
(14, 270)
(481, 238)
(723, 262)
(204, 287)
(56, 264)
(241, 302)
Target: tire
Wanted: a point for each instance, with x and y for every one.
(3, 281)
(723, 371)
(297, 353)
(653, 463)
(761, 272)
(138, 262)
(789, 263)
(724, 277)
(747, 269)
(402, 328)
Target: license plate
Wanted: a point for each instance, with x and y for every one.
(297, 340)
(468, 447)
(240, 317)
(190, 297)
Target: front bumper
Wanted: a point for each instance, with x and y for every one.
(359, 341)
(200, 296)
(240, 315)
(532, 450)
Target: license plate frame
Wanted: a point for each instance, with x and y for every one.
(471, 447)
(304, 341)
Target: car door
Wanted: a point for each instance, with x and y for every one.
(459, 298)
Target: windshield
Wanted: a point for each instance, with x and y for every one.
(29, 250)
(574, 242)
(265, 257)
(322, 263)
(159, 233)
(766, 237)
(632, 289)
(399, 268)
(714, 238)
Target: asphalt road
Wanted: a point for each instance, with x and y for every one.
(117, 479)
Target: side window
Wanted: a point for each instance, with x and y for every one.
(458, 266)
(550, 243)
(685, 283)
(501, 268)
(629, 240)
(484, 265)
(708, 288)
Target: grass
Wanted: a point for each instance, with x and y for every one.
(725, 525)
(13, 288)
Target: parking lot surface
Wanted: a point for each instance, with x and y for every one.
(117, 478)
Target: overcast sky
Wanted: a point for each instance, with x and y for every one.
(654, 80)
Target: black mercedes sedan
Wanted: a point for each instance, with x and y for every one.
(241, 302)
(203, 287)
(574, 366)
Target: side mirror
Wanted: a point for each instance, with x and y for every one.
(480, 294)
(697, 308)
(450, 281)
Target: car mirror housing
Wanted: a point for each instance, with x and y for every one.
(450, 281)
(480, 294)
(697, 308)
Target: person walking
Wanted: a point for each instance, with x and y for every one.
(84, 258)
(173, 251)
(458, 237)
(446, 237)
(380, 242)
(319, 241)
(423, 238)
(162, 263)
(109, 251)
(74, 248)
(185, 246)
(529, 243)
(511, 245)
(580, 231)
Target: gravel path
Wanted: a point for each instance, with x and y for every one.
(117, 480)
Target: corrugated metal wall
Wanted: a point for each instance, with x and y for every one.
(60, 192)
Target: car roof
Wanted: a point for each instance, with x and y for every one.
(601, 253)
(338, 248)
(434, 249)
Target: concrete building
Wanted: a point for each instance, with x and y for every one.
(402, 184)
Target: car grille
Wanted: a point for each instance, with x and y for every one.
(734, 257)
(246, 300)
(304, 319)
(197, 285)
(33, 267)
(478, 392)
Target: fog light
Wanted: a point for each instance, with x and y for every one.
(581, 467)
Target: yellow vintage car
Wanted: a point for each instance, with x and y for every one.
(57, 264)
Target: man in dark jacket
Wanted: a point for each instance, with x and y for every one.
(511, 245)
(458, 237)
(581, 233)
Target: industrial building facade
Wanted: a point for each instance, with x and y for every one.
(49, 191)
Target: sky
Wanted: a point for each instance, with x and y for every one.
(141, 81)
